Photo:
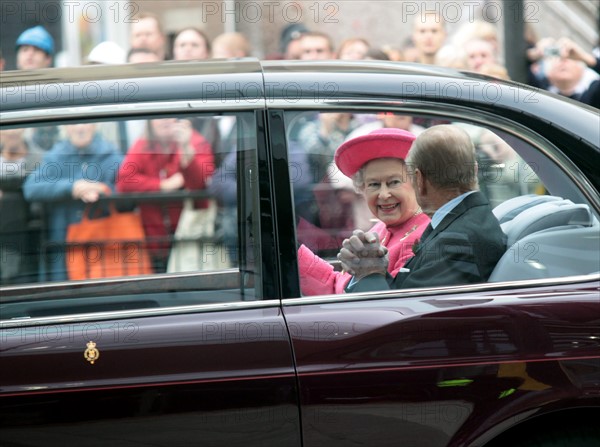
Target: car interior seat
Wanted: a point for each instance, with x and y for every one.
(547, 236)
(507, 210)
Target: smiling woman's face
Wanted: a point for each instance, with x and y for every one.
(388, 191)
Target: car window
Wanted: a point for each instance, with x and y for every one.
(545, 216)
(153, 198)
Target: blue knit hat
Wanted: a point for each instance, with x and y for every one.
(37, 37)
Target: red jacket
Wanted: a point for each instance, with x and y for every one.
(146, 164)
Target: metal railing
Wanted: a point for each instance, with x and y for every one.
(41, 253)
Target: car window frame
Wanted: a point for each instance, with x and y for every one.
(266, 292)
(460, 113)
(483, 118)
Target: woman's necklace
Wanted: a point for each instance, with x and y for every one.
(414, 227)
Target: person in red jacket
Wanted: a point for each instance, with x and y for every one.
(172, 156)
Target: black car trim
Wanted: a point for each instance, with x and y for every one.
(268, 238)
(152, 385)
(100, 287)
(284, 206)
(593, 281)
(126, 314)
(129, 110)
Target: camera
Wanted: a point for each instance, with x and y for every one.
(551, 51)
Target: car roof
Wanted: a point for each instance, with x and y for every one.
(353, 79)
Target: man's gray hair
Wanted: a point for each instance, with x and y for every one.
(445, 155)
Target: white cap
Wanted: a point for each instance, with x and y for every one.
(107, 53)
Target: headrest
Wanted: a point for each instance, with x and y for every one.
(547, 215)
(513, 207)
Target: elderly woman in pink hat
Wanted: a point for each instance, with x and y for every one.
(375, 162)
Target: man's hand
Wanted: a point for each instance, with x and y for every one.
(536, 53)
(183, 135)
(570, 49)
(89, 191)
(362, 255)
(173, 183)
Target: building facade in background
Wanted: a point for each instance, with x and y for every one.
(77, 26)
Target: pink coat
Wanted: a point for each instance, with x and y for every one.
(317, 276)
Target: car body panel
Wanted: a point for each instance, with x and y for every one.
(152, 384)
(441, 371)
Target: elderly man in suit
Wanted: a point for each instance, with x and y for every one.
(464, 241)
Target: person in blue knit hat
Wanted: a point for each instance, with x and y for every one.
(35, 49)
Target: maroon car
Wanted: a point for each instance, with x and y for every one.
(223, 349)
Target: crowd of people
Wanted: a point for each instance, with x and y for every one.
(170, 154)
(86, 163)
(556, 64)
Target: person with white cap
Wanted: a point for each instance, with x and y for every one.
(110, 53)
(35, 49)
(107, 52)
(375, 162)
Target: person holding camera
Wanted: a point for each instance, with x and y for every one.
(566, 69)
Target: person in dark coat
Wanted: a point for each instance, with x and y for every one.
(17, 237)
(464, 241)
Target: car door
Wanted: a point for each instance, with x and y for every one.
(445, 365)
(170, 358)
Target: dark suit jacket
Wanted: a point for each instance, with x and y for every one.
(463, 249)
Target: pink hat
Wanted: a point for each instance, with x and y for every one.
(381, 143)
